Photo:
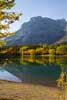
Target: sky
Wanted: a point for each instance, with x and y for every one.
(55, 9)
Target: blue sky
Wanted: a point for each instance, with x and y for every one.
(55, 9)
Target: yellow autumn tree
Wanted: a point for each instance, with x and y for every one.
(6, 19)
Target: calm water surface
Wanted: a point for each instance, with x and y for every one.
(35, 70)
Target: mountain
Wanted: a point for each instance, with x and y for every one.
(39, 30)
(63, 40)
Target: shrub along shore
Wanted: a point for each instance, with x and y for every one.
(44, 50)
(34, 50)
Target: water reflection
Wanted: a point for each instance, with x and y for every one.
(7, 75)
(44, 70)
(29, 68)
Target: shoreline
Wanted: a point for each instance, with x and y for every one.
(24, 91)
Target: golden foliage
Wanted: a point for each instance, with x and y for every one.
(2, 35)
(6, 4)
(7, 17)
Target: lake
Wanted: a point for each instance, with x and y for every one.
(43, 70)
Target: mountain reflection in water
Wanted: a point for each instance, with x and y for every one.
(5, 75)
(36, 70)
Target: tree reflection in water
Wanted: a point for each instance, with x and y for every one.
(44, 60)
(61, 61)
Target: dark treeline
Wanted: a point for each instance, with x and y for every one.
(35, 50)
(44, 50)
